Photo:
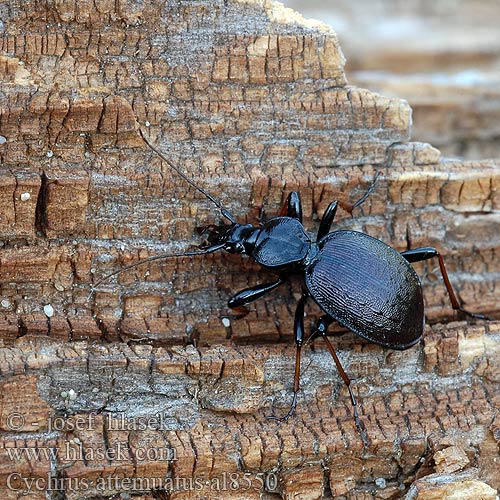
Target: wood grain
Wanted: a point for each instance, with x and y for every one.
(251, 101)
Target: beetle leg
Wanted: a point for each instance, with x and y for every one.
(329, 215)
(425, 253)
(253, 293)
(299, 339)
(292, 207)
(327, 220)
(321, 328)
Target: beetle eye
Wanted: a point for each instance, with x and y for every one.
(234, 247)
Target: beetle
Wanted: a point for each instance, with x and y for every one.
(357, 280)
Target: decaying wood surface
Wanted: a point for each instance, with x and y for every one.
(442, 57)
(252, 102)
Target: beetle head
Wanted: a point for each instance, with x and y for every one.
(237, 238)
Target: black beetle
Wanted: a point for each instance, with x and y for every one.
(357, 280)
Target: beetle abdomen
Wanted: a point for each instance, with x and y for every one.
(367, 287)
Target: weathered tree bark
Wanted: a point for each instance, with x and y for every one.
(443, 59)
(252, 102)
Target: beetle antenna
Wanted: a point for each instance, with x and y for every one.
(368, 192)
(214, 200)
(204, 251)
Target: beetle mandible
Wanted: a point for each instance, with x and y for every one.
(357, 280)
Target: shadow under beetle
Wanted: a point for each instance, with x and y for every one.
(357, 280)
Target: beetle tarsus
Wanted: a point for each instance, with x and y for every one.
(426, 253)
(290, 413)
(360, 428)
(321, 328)
(357, 422)
(473, 315)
